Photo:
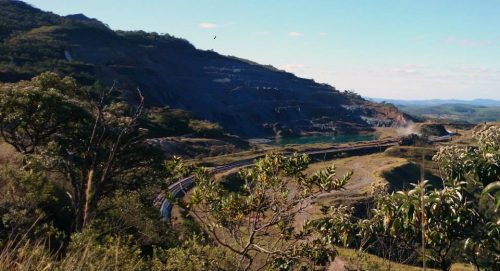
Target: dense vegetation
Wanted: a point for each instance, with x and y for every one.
(458, 222)
(79, 178)
(162, 122)
(84, 182)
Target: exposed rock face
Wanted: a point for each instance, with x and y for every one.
(245, 98)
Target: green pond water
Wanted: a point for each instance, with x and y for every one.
(323, 139)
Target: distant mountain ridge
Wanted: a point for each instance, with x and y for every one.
(245, 98)
(434, 102)
(471, 111)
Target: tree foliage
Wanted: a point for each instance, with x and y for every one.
(459, 221)
(478, 169)
(445, 216)
(29, 198)
(87, 135)
(259, 223)
(31, 112)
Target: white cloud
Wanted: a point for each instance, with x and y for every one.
(207, 25)
(415, 81)
(406, 71)
(410, 68)
(463, 42)
(322, 34)
(295, 34)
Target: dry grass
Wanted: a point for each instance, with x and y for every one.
(229, 158)
(262, 149)
(374, 263)
(34, 256)
(366, 171)
(387, 132)
(8, 154)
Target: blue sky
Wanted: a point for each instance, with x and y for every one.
(389, 49)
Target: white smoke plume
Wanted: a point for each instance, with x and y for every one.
(408, 129)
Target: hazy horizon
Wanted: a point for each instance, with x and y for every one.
(394, 50)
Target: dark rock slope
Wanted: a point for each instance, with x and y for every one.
(245, 98)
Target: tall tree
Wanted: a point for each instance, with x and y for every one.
(86, 134)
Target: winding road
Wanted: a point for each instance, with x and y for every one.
(178, 188)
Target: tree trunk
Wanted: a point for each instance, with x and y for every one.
(79, 213)
(88, 197)
(77, 201)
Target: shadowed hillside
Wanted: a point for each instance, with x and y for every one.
(245, 98)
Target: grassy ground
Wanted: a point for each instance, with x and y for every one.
(365, 169)
(387, 132)
(8, 154)
(370, 262)
(195, 147)
(414, 154)
(229, 158)
(262, 149)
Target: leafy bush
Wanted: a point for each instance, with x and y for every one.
(32, 207)
(258, 222)
(193, 255)
(459, 221)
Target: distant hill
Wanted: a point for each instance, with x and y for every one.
(472, 111)
(434, 102)
(245, 98)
